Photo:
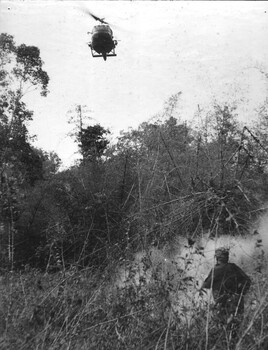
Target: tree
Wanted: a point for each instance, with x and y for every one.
(21, 66)
(20, 164)
(21, 69)
(93, 142)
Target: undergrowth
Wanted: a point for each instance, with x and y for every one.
(152, 308)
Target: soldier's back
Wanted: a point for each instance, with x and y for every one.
(228, 278)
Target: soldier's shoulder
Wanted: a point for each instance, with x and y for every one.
(233, 267)
(236, 269)
(229, 268)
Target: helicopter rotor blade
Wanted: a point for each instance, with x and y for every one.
(101, 20)
(86, 11)
(98, 19)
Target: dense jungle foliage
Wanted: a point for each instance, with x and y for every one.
(64, 232)
(164, 179)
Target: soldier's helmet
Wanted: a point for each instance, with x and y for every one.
(222, 254)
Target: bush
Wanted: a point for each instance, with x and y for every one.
(155, 305)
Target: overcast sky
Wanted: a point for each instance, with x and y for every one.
(205, 50)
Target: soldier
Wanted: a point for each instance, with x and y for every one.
(229, 285)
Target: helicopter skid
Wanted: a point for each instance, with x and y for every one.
(100, 55)
(96, 54)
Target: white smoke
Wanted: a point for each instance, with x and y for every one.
(199, 259)
(182, 261)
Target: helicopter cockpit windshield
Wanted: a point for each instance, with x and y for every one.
(102, 28)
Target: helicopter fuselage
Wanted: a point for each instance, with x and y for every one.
(102, 42)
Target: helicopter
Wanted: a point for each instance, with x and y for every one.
(102, 42)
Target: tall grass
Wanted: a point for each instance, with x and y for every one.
(153, 302)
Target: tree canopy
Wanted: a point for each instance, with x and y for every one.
(21, 165)
(168, 177)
